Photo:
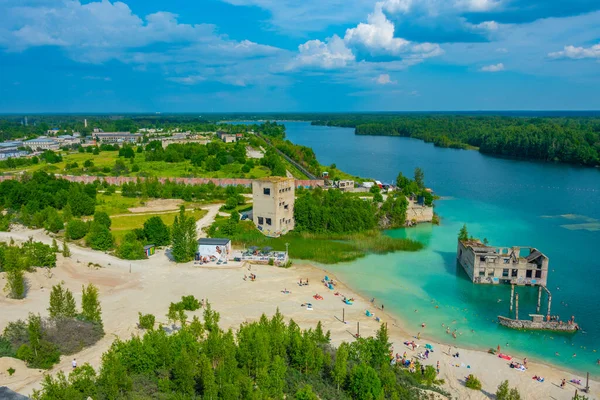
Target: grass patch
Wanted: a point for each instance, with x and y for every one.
(325, 249)
(147, 168)
(116, 204)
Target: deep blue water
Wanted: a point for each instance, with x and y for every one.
(553, 207)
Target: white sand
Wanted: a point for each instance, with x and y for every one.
(154, 283)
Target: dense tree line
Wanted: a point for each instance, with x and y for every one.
(34, 201)
(153, 188)
(573, 140)
(267, 359)
(332, 211)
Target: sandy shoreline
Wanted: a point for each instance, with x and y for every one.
(154, 283)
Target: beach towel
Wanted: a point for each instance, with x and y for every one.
(505, 357)
(428, 346)
(330, 286)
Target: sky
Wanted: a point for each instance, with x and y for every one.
(66, 56)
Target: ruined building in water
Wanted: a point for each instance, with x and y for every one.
(512, 265)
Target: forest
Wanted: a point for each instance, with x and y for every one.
(266, 359)
(573, 140)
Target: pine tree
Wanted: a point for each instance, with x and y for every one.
(65, 250)
(340, 366)
(54, 246)
(184, 237)
(69, 307)
(463, 234)
(90, 305)
(420, 177)
(15, 284)
(57, 300)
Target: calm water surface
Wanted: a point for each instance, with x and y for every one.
(553, 207)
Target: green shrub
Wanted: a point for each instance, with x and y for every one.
(6, 349)
(190, 303)
(146, 321)
(11, 371)
(473, 383)
(76, 229)
(25, 353)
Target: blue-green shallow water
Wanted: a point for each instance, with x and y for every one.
(509, 202)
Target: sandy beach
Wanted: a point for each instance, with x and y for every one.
(148, 286)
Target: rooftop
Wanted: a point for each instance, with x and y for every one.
(214, 241)
(274, 179)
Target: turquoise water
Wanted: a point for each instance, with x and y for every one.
(553, 207)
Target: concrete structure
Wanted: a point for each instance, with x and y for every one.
(273, 205)
(487, 264)
(345, 186)
(67, 140)
(42, 143)
(117, 137)
(229, 137)
(213, 247)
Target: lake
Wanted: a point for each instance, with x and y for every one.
(555, 208)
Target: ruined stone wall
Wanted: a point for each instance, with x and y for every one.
(119, 180)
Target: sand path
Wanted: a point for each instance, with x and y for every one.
(152, 284)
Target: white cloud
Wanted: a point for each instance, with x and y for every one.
(187, 80)
(101, 30)
(477, 5)
(377, 37)
(493, 68)
(332, 53)
(440, 7)
(577, 53)
(384, 79)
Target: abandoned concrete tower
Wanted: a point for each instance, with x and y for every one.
(513, 265)
(273, 208)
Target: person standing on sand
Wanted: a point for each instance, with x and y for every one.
(74, 363)
(498, 349)
(438, 367)
(525, 362)
(563, 383)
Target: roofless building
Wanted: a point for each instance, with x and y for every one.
(510, 265)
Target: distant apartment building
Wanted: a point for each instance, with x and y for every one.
(116, 137)
(11, 150)
(273, 205)
(42, 143)
(229, 137)
(68, 140)
(512, 265)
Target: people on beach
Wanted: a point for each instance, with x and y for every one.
(563, 383)
(525, 362)
(437, 368)
(74, 363)
(419, 336)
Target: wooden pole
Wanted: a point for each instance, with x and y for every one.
(517, 306)
(539, 303)
(343, 315)
(512, 295)
(587, 383)
(358, 329)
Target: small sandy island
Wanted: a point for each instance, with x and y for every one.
(152, 284)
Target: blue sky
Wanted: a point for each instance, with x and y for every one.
(298, 55)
